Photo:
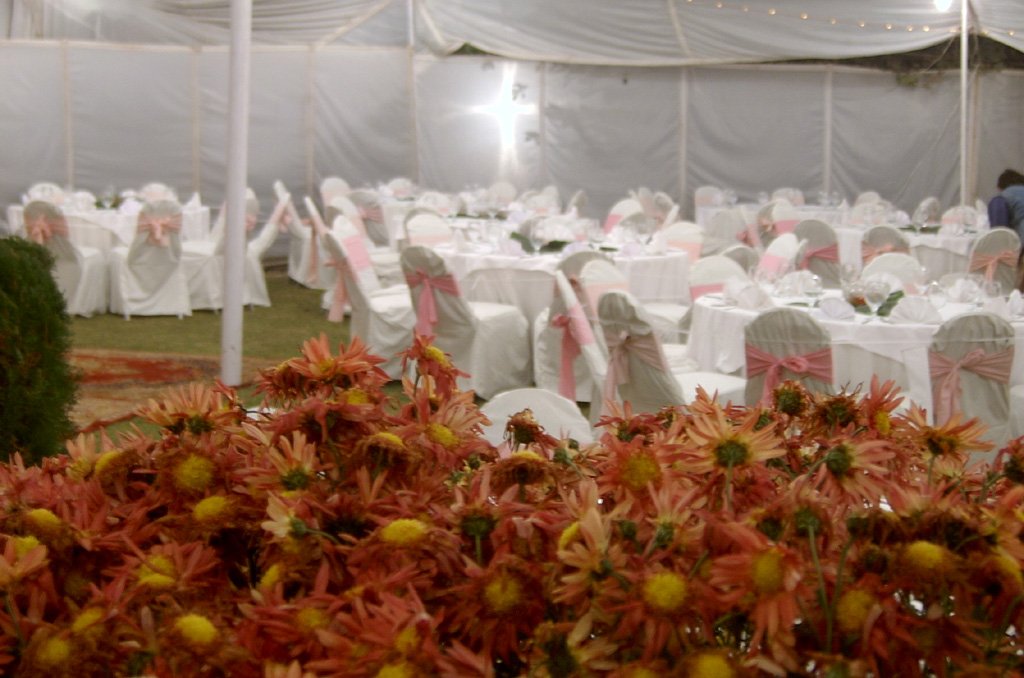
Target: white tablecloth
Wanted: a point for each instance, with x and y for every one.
(94, 228)
(939, 253)
(861, 347)
(832, 215)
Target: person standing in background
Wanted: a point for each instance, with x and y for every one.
(1007, 209)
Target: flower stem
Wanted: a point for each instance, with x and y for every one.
(13, 614)
(822, 593)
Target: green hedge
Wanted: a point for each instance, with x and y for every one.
(37, 386)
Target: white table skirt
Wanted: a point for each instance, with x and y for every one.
(860, 349)
(93, 228)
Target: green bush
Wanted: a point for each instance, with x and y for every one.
(37, 386)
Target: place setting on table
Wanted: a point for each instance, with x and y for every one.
(878, 326)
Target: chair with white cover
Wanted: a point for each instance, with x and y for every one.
(401, 187)
(202, 261)
(686, 236)
(577, 202)
(708, 196)
(725, 229)
(80, 272)
(444, 204)
(820, 253)
(666, 210)
(928, 211)
(385, 259)
(744, 255)
(969, 361)
(780, 256)
(881, 239)
(710, 274)
(558, 416)
(867, 197)
(904, 267)
(156, 191)
(255, 292)
(368, 203)
(146, 277)
(489, 341)
(786, 344)
(638, 371)
(621, 210)
(573, 263)
(600, 276)
(46, 191)
(963, 216)
(306, 265)
(528, 290)
(428, 229)
(331, 188)
(567, 356)
(501, 193)
(794, 196)
(778, 217)
(994, 255)
(383, 317)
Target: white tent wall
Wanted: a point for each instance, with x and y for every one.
(92, 115)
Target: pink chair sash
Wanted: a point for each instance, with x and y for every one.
(826, 253)
(990, 262)
(426, 312)
(644, 346)
(612, 220)
(698, 291)
(817, 364)
(750, 236)
(786, 225)
(869, 251)
(691, 248)
(576, 333)
(160, 228)
(356, 253)
(773, 263)
(945, 373)
(42, 228)
(371, 213)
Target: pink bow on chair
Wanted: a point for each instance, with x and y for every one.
(826, 253)
(869, 251)
(644, 346)
(369, 213)
(576, 333)
(785, 225)
(990, 262)
(426, 312)
(42, 228)
(945, 373)
(160, 228)
(610, 223)
(817, 364)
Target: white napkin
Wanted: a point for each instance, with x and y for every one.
(894, 283)
(915, 310)
(130, 206)
(1015, 303)
(746, 294)
(658, 243)
(962, 290)
(835, 308)
(193, 202)
(511, 247)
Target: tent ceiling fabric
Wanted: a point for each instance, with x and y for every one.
(638, 32)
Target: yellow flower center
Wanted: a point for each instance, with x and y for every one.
(503, 593)
(44, 521)
(767, 572)
(53, 652)
(665, 592)
(404, 532)
(211, 509)
(400, 670)
(23, 545)
(853, 609)
(196, 629)
(710, 665)
(883, 423)
(86, 620)
(641, 672)
(1009, 568)
(310, 619)
(442, 435)
(80, 468)
(528, 454)
(639, 470)
(388, 438)
(924, 556)
(568, 535)
(157, 572)
(434, 354)
(105, 460)
(356, 396)
(270, 577)
(194, 473)
(408, 640)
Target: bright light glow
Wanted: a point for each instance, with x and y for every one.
(506, 110)
(943, 5)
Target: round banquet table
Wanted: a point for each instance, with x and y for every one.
(861, 347)
(939, 253)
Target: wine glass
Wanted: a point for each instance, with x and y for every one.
(936, 294)
(875, 294)
(813, 288)
(992, 289)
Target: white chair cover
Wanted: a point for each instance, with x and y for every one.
(489, 341)
(726, 228)
(255, 291)
(900, 265)
(620, 211)
(710, 274)
(777, 218)
(306, 266)
(442, 203)
(501, 193)
(928, 211)
(80, 272)
(686, 236)
(331, 188)
(794, 196)
(559, 417)
(1016, 411)
(577, 202)
(744, 255)
(385, 259)
(970, 360)
(156, 191)
(994, 255)
(708, 196)
(428, 229)
(638, 371)
(881, 239)
(782, 344)
(820, 253)
(383, 317)
(46, 191)
(528, 290)
(600, 276)
(146, 278)
(202, 261)
(402, 187)
(867, 197)
(780, 256)
(965, 216)
(367, 202)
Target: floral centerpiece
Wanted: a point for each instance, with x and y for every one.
(334, 532)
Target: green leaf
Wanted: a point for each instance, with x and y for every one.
(524, 241)
(890, 302)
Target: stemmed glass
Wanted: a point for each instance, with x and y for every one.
(875, 294)
(813, 288)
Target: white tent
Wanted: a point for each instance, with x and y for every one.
(595, 94)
